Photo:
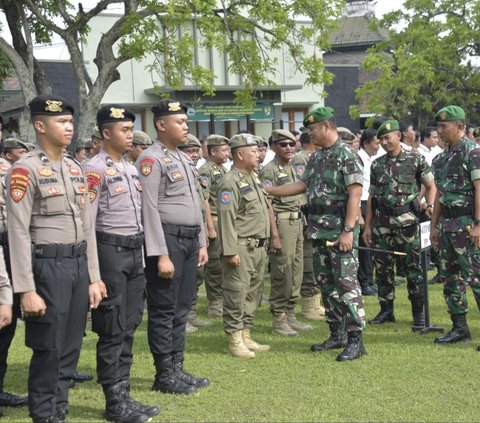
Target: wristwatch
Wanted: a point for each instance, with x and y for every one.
(347, 228)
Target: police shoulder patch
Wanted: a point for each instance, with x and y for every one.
(226, 197)
(18, 183)
(146, 165)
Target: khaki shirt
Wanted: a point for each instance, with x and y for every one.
(170, 195)
(4, 167)
(299, 162)
(210, 176)
(115, 195)
(47, 203)
(242, 210)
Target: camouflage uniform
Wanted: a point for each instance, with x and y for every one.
(394, 187)
(328, 174)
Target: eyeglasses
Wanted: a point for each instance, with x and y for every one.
(286, 144)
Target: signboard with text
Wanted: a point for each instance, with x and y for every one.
(202, 112)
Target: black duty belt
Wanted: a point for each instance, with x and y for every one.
(181, 231)
(451, 212)
(338, 208)
(395, 211)
(253, 242)
(60, 250)
(124, 241)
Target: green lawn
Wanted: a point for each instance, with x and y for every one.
(404, 377)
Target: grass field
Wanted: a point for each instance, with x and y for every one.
(404, 377)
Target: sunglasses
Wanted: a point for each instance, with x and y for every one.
(286, 144)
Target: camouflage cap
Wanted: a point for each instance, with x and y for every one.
(50, 105)
(113, 113)
(345, 133)
(449, 114)
(88, 144)
(96, 134)
(13, 143)
(281, 135)
(141, 138)
(215, 140)
(390, 125)
(242, 140)
(192, 141)
(318, 115)
(30, 146)
(260, 141)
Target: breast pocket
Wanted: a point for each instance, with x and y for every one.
(117, 196)
(252, 204)
(176, 183)
(52, 200)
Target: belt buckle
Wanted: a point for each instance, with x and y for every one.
(257, 242)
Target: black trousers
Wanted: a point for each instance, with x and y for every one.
(118, 315)
(170, 300)
(56, 337)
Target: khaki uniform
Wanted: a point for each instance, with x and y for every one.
(244, 230)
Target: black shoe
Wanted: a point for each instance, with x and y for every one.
(385, 314)
(458, 333)
(62, 412)
(181, 374)
(118, 409)
(71, 384)
(368, 291)
(149, 410)
(82, 377)
(354, 348)
(11, 400)
(435, 279)
(338, 339)
(48, 419)
(417, 314)
(166, 381)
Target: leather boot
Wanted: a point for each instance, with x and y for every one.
(215, 308)
(180, 373)
(458, 333)
(311, 308)
(281, 327)
(385, 314)
(117, 408)
(149, 410)
(251, 344)
(237, 348)
(338, 338)
(354, 348)
(295, 324)
(165, 379)
(194, 320)
(417, 314)
(189, 328)
(318, 305)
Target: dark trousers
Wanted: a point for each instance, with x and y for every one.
(170, 300)
(118, 315)
(56, 337)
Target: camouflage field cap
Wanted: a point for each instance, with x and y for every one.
(96, 134)
(12, 143)
(390, 125)
(215, 140)
(449, 114)
(318, 115)
(242, 140)
(192, 141)
(345, 133)
(282, 135)
(141, 138)
(260, 141)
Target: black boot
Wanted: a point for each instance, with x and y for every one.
(62, 411)
(417, 314)
(149, 410)
(354, 348)
(385, 314)
(368, 290)
(458, 333)
(117, 407)
(166, 380)
(338, 338)
(181, 374)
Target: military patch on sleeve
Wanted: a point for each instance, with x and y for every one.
(226, 197)
(267, 183)
(18, 183)
(204, 181)
(300, 169)
(146, 165)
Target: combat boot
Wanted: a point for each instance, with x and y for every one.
(251, 344)
(385, 314)
(458, 333)
(354, 348)
(311, 308)
(295, 324)
(149, 410)
(338, 338)
(165, 379)
(280, 326)
(237, 348)
(181, 374)
(189, 328)
(417, 314)
(117, 408)
(318, 305)
(194, 320)
(215, 308)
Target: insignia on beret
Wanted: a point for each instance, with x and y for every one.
(443, 116)
(174, 107)
(388, 126)
(117, 113)
(53, 106)
(250, 140)
(310, 119)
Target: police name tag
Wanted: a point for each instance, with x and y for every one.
(425, 235)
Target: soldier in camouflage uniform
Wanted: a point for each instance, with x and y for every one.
(333, 181)
(455, 228)
(392, 220)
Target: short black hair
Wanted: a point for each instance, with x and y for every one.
(367, 136)
(378, 121)
(305, 138)
(426, 132)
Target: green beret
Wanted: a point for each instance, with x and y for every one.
(50, 105)
(13, 143)
(390, 125)
(318, 115)
(282, 135)
(113, 113)
(260, 141)
(449, 114)
(215, 140)
(141, 138)
(242, 140)
(192, 141)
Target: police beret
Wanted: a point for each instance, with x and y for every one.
(215, 140)
(50, 105)
(318, 115)
(141, 138)
(449, 114)
(169, 107)
(13, 143)
(242, 140)
(281, 135)
(96, 134)
(260, 141)
(192, 141)
(112, 113)
(390, 125)
(345, 133)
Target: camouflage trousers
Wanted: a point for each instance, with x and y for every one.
(407, 240)
(336, 274)
(460, 263)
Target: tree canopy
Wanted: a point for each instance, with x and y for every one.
(431, 59)
(246, 31)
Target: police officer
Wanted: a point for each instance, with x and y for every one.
(114, 190)
(333, 180)
(175, 245)
(211, 172)
(286, 245)
(392, 221)
(50, 226)
(244, 231)
(455, 230)
(141, 141)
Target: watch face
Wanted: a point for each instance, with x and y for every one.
(347, 228)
